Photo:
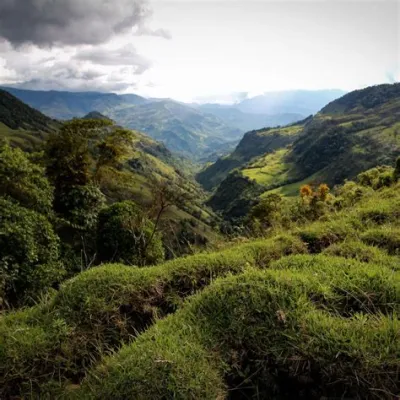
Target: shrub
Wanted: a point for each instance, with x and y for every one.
(28, 254)
(350, 193)
(377, 177)
(280, 336)
(24, 181)
(126, 235)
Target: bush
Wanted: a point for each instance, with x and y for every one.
(377, 177)
(105, 306)
(28, 254)
(321, 235)
(357, 250)
(126, 235)
(287, 333)
(24, 181)
(386, 237)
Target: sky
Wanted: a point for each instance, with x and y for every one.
(204, 50)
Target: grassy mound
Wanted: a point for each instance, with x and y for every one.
(310, 326)
(386, 237)
(45, 347)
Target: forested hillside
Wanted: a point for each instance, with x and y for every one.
(349, 135)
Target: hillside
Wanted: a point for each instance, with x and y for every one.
(356, 132)
(309, 314)
(67, 105)
(253, 144)
(182, 128)
(21, 124)
(145, 162)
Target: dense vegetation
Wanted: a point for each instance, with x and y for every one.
(302, 302)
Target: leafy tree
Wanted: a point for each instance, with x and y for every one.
(82, 205)
(113, 149)
(29, 252)
(125, 234)
(69, 157)
(266, 212)
(24, 181)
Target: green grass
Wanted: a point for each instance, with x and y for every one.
(97, 310)
(270, 169)
(307, 328)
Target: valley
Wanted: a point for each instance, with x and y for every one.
(125, 275)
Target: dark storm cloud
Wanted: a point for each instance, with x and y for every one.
(126, 55)
(70, 22)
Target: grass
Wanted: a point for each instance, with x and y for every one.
(287, 332)
(102, 307)
(270, 169)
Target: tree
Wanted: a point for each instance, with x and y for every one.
(24, 181)
(267, 210)
(113, 149)
(125, 234)
(165, 195)
(70, 157)
(29, 254)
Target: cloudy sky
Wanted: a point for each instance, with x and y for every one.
(198, 50)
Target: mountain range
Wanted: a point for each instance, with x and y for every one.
(192, 130)
(358, 131)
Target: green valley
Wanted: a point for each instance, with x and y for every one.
(117, 281)
(349, 135)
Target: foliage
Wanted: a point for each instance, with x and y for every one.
(29, 251)
(82, 204)
(126, 235)
(24, 181)
(377, 177)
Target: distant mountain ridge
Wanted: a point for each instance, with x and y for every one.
(193, 130)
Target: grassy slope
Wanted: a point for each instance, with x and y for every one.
(22, 125)
(327, 313)
(253, 144)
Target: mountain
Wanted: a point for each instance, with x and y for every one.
(245, 121)
(351, 134)
(304, 102)
(182, 128)
(96, 115)
(193, 130)
(67, 105)
(253, 144)
(21, 124)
